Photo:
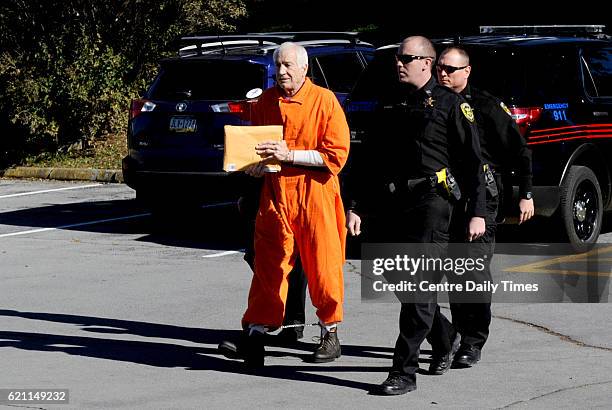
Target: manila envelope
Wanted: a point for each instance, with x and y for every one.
(240, 142)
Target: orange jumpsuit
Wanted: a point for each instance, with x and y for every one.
(300, 207)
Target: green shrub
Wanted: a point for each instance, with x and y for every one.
(68, 69)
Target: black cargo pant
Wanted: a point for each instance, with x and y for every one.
(424, 218)
(471, 312)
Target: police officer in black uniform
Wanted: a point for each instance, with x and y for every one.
(502, 148)
(423, 129)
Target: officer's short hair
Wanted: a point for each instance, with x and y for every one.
(426, 47)
(460, 50)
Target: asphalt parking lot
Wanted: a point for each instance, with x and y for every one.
(125, 310)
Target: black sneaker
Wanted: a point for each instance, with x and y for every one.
(396, 384)
(467, 356)
(329, 348)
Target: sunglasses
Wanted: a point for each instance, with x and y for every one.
(448, 68)
(408, 58)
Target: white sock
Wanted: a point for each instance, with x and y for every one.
(256, 328)
(327, 328)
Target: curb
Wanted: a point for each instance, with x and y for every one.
(66, 174)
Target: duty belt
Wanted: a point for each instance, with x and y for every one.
(412, 184)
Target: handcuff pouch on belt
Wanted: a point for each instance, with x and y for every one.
(490, 181)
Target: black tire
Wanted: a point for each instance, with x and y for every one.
(581, 208)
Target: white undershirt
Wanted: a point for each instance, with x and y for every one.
(309, 158)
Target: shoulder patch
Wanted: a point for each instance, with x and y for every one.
(467, 112)
(505, 108)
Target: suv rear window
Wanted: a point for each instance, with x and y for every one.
(599, 64)
(379, 80)
(341, 70)
(534, 74)
(206, 80)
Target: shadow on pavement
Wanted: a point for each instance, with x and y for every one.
(216, 227)
(175, 355)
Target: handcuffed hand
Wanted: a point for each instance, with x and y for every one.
(256, 170)
(277, 150)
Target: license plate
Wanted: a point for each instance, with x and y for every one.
(183, 124)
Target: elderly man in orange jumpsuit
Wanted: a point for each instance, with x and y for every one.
(300, 211)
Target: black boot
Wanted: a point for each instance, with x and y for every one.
(231, 350)
(396, 384)
(329, 349)
(253, 350)
(441, 363)
(467, 356)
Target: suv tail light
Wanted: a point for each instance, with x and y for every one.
(235, 107)
(524, 117)
(140, 105)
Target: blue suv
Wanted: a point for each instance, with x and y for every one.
(175, 131)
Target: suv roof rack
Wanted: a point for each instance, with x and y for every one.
(200, 44)
(574, 30)
(352, 36)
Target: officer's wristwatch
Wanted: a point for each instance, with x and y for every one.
(527, 195)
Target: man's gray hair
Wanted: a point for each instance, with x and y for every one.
(300, 52)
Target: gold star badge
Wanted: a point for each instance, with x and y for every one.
(429, 102)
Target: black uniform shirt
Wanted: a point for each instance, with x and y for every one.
(501, 142)
(419, 132)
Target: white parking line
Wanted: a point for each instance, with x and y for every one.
(219, 205)
(216, 255)
(74, 225)
(5, 235)
(49, 190)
